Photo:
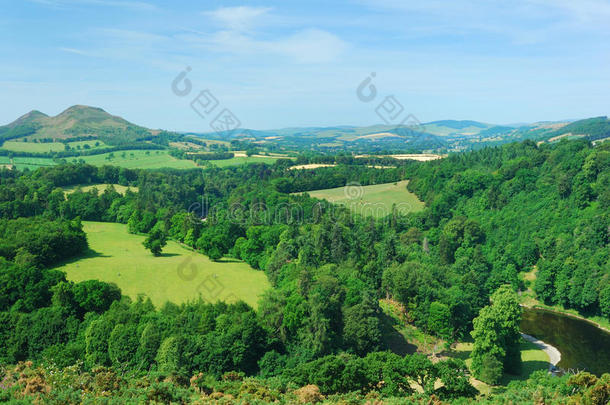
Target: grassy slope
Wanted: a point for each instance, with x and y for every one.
(90, 117)
(375, 200)
(119, 257)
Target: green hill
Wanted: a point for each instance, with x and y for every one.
(76, 122)
(591, 128)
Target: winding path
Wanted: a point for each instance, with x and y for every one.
(551, 351)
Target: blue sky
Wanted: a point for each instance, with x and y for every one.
(286, 63)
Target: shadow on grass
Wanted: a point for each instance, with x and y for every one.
(393, 339)
(169, 254)
(461, 354)
(527, 368)
(227, 260)
(88, 254)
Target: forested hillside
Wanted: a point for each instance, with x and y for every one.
(490, 215)
(542, 206)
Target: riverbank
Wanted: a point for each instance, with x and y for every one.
(551, 351)
(533, 358)
(582, 344)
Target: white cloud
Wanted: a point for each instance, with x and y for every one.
(242, 18)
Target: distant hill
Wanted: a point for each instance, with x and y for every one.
(591, 128)
(78, 121)
(458, 124)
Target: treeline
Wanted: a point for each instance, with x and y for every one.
(182, 154)
(301, 180)
(112, 135)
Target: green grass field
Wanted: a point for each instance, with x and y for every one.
(375, 200)
(131, 159)
(138, 159)
(100, 188)
(31, 163)
(34, 147)
(177, 276)
(16, 146)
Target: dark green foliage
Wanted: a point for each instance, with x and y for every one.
(26, 288)
(362, 331)
(384, 371)
(155, 241)
(45, 242)
(95, 296)
(496, 337)
(491, 369)
(439, 320)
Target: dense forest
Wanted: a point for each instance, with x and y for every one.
(491, 214)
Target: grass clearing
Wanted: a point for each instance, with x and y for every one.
(375, 200)
(137, 159)
(99, 187)
(403, 338)
(178, 275)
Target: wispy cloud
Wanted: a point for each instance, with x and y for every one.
(238, 34)
(521, 21)
(74, 51)
(241, 18)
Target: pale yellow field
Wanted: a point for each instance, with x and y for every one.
(310, 166)
(100, 188)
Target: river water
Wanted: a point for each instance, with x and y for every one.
(583, 346)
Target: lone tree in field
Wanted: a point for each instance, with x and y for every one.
(156, 240)
(496, 337)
